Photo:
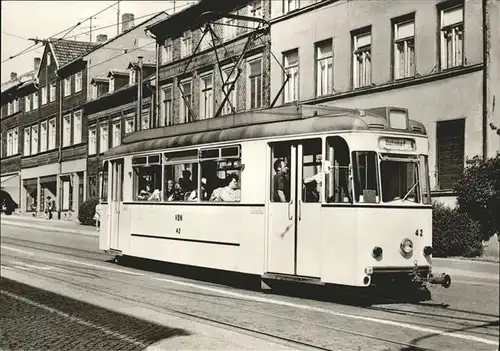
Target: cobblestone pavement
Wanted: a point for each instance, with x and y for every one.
(34, 319)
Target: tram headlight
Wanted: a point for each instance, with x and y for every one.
(427, 251)
(406, 248)
(377, 252)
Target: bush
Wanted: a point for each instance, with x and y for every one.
(87, 211)
(478, 193)
(454, 233)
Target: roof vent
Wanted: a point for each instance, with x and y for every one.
(13, 75)
(127, 21)
(101, 38)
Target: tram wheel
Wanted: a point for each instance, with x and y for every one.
(117, 259)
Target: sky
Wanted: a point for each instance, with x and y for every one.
(30, 19)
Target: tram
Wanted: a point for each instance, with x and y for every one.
(316, 194)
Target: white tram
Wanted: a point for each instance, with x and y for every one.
(321, 194)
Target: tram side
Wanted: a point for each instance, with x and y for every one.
(218, 235)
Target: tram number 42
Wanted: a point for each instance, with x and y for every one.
(419, 232)
(178, 218)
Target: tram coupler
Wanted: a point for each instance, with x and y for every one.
(441, 279)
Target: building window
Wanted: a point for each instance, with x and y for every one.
(291, 61)
(166, 106)
(168, 51)
(92, 140)
(15, 105)
(131, 76)
(27, 103)
(450, 152)
(362, 61)
(66, 130)
(12, 142)
(255, 83)
(404, 49)
(44, 95)
(52, 92)
(228, 77)
(43, 136)
(78, 82)
(117, 133)
(145, 119)
(255, 10)
(48, 59)
(187, 44)
(324, 68)
(229, 28)
(34, 139)
(452, 37)
(67, 86)
(77, 127)
(186, 101)
(27, 141)
(52, 134)
(103, 138)
(111, 85)
(129, 125)
(206, 97)
(290, 5)
(35, 100)
(9, 108)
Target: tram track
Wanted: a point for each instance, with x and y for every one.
(196, 316)
(444, 318)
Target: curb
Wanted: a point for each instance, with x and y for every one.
(52, 228)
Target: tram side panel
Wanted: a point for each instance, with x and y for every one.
(104, 239)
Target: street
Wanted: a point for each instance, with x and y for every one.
(59, 292)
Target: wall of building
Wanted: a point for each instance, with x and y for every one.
(493, 78)
(338, 19)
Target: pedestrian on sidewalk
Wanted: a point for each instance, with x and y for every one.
(97, 216)
(49, 208)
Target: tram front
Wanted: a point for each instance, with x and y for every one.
(386, 232)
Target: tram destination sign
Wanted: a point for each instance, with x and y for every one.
(397, 144)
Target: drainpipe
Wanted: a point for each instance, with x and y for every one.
(59, 171)
(486, 73)
(139, 97)
(157, 95)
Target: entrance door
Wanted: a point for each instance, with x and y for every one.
(115, 203)
(294, 232)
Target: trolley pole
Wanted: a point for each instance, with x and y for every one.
(139, 96)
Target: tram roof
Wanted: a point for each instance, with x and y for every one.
(272, 122)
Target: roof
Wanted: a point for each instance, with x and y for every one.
(99, 45)
(99, 79)
(134, 64)
(118, 72)
(283, 120)
(66, 51)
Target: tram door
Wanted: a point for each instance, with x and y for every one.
(294, 232)
(116, 199)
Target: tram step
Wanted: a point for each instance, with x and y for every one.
(292, 278)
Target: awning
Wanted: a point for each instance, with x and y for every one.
(10, 184)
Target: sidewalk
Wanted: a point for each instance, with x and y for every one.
(59, 225)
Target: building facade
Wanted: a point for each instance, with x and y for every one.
(426, 56)
(212, 65)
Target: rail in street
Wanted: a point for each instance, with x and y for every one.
(463, 317)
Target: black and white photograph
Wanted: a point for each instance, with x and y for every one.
(250, 175)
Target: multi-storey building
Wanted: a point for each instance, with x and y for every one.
(51, 132)
(211, 65)
(426, 56)
(17, 101)
(107, 68)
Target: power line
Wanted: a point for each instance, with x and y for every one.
(14, 35)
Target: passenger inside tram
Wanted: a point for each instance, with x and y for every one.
(145, 193)
(281, 181)
(229, 193)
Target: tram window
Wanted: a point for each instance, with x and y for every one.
(400, 181)
(426, 187)
(181, 182)
(337, 183)
(103, 175)
(147, 178)
(365, 176)
(312, 175)
(221, 178)
(280, 176)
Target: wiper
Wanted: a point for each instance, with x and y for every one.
(409, 191)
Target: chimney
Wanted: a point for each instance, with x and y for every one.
(13, 75)
(101, 38)
(36, 63)
(127, 21)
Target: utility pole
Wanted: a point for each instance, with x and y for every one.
(91, 29)
(139, 96)
(118, 20)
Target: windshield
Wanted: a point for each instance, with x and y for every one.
(400, 180)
